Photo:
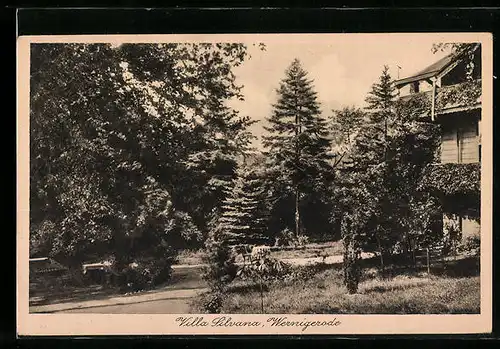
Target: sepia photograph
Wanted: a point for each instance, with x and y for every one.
(211, 176)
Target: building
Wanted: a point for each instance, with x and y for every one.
(449, 92)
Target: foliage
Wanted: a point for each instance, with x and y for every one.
(288, 238)
(460, 51)
(221, 262)
(457, 186)
(344, 126)
(452, 236)
(471, 245)
(221, 268)
(263, 270)
(302, 240)
(297, 152)
(381, 97)
(243, 217)
(370, 182)
(389, 155)
(211, 302)
(466, 94)
(128, 145)
(418, 104)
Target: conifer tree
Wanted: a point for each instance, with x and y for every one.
(390, 154)
(297, 143)
(370, 156)
(241, 220)
(243, 216)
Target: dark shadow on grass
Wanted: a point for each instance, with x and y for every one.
(383, 289)
(93, 292)
(189, 278)
(463, 267)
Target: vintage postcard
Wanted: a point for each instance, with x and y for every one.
(254, 184)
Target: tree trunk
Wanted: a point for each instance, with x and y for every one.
(414, 257)
(297, 212)
(381, 253)
(428, 260)
(298, 131)
(261, 297)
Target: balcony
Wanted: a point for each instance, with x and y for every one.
(453, 179)
(457, 185)
(464, 96)
(452, 98)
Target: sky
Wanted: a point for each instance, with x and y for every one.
(343, 68)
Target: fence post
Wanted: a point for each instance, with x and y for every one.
(428, 261)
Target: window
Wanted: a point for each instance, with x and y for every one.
(414, 87)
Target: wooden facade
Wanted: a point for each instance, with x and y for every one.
(460, 139)
(455, 104)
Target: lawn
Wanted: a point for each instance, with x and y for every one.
(333, 248)
(313, 250)
(323, 293)
(189, 257)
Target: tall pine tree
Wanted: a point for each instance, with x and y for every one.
(297, 143)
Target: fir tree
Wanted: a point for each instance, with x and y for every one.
(297, 143)
(243, 216)
(370, 157)
(390, 154)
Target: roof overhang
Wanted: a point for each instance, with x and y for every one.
(411, 79)
(443, 70)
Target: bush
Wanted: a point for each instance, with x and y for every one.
(263, 271)
(220, 271)
(452, 238)
(302, 240)
(471, 246)
(221, 265)
(211, 302)
(145, 273)
(299, 273)
(288, 238)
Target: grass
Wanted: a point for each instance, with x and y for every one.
(190, 257)
(313, 250)
(323, 293)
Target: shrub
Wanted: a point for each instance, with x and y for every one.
(285, 237)
(299, 273)
(145, 273)
(220, 271)
(221, 264)
(471, 245)
(288, 238)
(302, 240)
(263, 271)
(211, 302)
(452, 238)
